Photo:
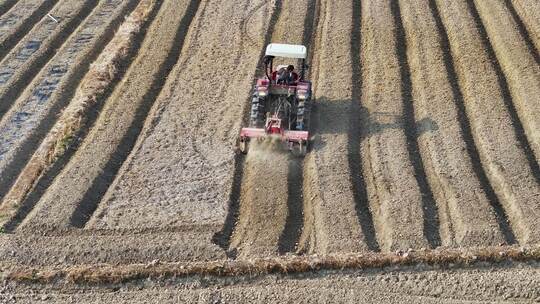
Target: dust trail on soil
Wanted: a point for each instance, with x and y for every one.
(505, 91)
(27, 25)
(431, 215)
(502, 218)
(263, 208)
(523, 31)
(528, 12)
(363, 211)
(93, 196)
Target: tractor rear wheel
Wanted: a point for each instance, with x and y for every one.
(257, 112)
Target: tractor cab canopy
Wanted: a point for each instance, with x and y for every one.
(286, 50)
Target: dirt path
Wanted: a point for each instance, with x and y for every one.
(520, 63)
(78, 188)
(528, 12)
(492, 120)
(331, 198)
(34, 113)
(466, 215)
(19, 20)
(394, 193)
(20, 66)
(182, 167)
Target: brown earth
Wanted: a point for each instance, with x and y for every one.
(490, 113)
(194, 123)
(34, 112)
(263, 201)
(27, 58)
(265, 221)
(396, 199)
(466, 215)
(500, 284)
(18, 20)
(529, 13)
(520, 62)
(331, 200)
(423, 135)
(59, 206)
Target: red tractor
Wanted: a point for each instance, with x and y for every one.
(281, 101)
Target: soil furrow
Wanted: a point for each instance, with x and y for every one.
(395, 196)
(527, 14)
(431, 216)
(465, 212)
(492, 120)
(263, 202)
(465, 128)
(35, 112)
(206, 110)
(332, 219)
(522, 28)
(72, 125)
(507, 96)
(498, 284)
(363, 209)
(118, 126)
(19, 20)
(224, 236)
(27, 59)
(288, 240)
(6, 5)
(520, 63)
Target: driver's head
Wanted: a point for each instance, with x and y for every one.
(290, 68)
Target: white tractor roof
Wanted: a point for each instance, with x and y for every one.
(286, 50)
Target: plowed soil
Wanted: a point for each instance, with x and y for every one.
(424, 135)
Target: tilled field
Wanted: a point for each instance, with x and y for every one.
(119, 122)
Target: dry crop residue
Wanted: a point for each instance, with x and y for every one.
(70, 198)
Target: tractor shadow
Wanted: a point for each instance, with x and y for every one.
(345, 117)
(350, 118)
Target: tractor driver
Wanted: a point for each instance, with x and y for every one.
(287, 76)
